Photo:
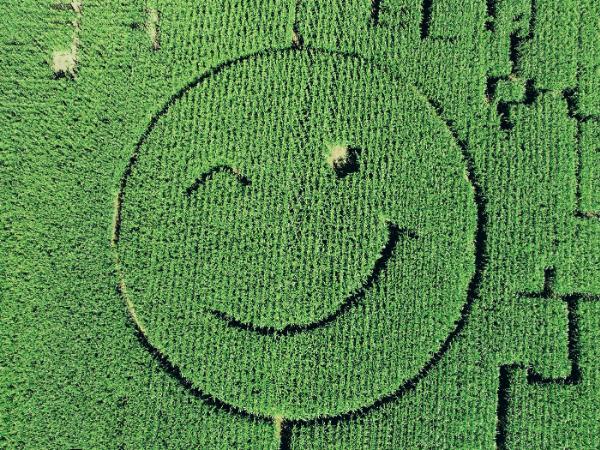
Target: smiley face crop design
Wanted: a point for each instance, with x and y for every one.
(269, 255)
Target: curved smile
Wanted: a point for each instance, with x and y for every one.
(394, 233)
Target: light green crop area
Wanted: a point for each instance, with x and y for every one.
(300, 224)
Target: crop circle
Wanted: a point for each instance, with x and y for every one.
(273, 283)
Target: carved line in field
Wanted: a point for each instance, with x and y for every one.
(533, 378)
(515, 40)
(426, 11)
(570, 96)
(375, 11)
(378, 17)
(394, 233)
(425, 25)
(472, 292)
(503, 106)
(64, 62)
(208, 175)
(153, 27)
(491, 14)
(283, 432)
(297, 39)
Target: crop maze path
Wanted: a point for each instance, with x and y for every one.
(509, 85)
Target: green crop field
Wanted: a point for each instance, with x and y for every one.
(300, 224)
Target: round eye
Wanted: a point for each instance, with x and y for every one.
(343, 159)
(208, 175)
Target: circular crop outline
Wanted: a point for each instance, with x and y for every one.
(480, 259)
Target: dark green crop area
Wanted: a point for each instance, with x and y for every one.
(300, 224)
